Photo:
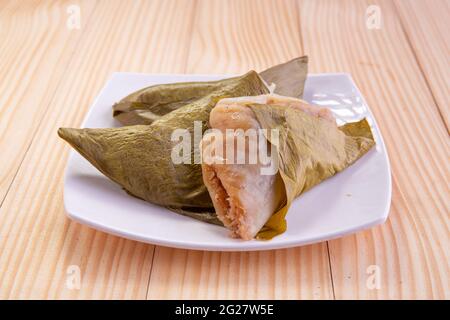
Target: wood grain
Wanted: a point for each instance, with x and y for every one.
(233, 36)
(35, 49)
(411, 249)
(299, 273)
(226, 38)
(427, 29)
(38, 243)
(52, 75)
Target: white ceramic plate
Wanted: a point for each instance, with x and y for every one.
(355, 199)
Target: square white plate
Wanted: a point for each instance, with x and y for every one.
(355, 199)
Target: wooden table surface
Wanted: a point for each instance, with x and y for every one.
(52, 66)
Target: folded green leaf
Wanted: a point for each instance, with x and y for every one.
(139, 157)
(310, 150)
(289, 77)
(149, 104)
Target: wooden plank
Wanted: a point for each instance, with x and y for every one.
(234, 36)
(38, 244)
(299, 273)
(35, 48)
(426, 25)
(411, 249)
(230, 37)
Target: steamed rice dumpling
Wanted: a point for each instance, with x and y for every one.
(310, 147)
(151, 103)
(138, 157)
(303, 141)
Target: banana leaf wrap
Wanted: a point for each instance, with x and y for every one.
(151, 103)
(310, 150)
(138, 157)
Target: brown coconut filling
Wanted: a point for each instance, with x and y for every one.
(228, 209)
